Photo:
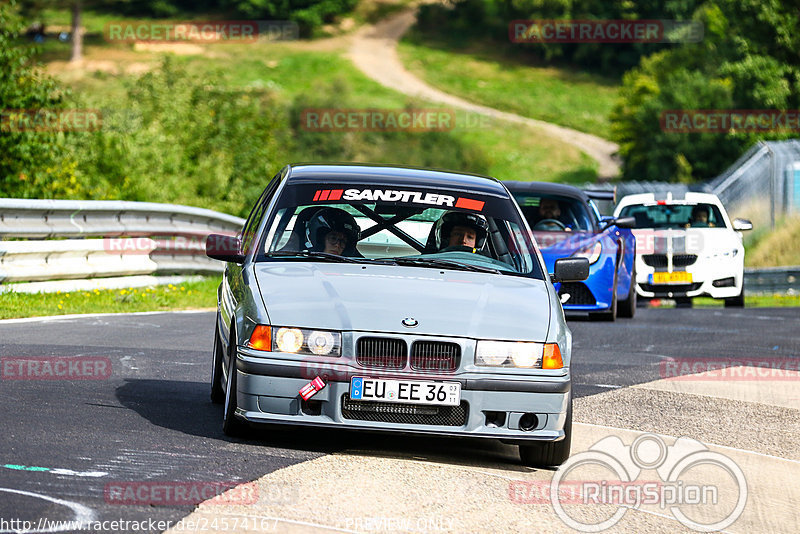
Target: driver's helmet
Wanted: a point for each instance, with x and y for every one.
(327, 220)
(451, 219)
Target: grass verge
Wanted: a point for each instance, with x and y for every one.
(486, 76)
(750, 301)
(189, 295)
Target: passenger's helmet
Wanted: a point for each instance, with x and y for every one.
(327, 220)
(451, 219)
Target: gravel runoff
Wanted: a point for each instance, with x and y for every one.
(743, 425)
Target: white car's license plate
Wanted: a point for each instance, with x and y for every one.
(405, 391)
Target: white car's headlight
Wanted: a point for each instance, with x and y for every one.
(591, 253)
(296, 340)
(518, 354)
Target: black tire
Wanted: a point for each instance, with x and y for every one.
(627, 308)
(217, 391)
(683, 302)
(231, 425)
(549, 453)
(737, 301)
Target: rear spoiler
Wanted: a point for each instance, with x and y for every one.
(602, 194)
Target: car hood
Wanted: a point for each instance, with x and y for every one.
(378, 297)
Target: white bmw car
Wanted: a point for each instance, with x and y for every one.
(686, 246)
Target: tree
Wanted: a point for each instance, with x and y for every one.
(747, 61)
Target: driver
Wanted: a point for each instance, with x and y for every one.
(550, 209)
(333, 231)
(459, 229)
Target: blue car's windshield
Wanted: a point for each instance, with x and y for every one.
(674, 216)
(427, 228)
(555, 213)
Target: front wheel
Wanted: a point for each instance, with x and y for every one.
(737, 301)
(549, 453)
(231, 425)
(217, 391)
(627, 308)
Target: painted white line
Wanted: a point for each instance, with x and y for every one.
(90, 315)
(83, 514)
(70, 472)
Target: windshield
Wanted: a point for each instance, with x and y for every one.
(554, 213)
(674, 216)
(397, 225)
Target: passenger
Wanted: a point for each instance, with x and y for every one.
(333, 231)
(699, 218)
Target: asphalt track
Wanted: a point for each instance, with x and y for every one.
(64, 441)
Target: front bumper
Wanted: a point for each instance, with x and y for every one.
(268, 388)
(702, 284)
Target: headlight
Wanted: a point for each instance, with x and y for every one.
(591, 253)
(296, 340)
(512, 354)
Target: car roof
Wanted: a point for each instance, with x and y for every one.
(395, 175)
(546, 188)
(670, 198)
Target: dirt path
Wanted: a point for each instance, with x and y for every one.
(373, 49)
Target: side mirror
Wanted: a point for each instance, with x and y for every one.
(742, 225)
(570, 270)
(622, 222)
(224, 248)
(626, 222)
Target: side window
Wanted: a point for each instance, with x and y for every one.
(257, 214)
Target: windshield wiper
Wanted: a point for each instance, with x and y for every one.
(324, 256)
(447, 264)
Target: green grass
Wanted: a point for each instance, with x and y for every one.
(752, 301)
(775, 248)
(483, 74)
(510, 151)
(189, 295)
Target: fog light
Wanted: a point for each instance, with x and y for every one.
(724, 282)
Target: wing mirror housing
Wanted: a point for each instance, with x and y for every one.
(570, 270)
(742, 225)
(224, 248)
(621, 222)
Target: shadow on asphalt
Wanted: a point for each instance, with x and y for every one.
(185, 407)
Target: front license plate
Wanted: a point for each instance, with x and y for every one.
(678, 277)
(405, 391)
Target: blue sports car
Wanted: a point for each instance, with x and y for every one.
(566, 223)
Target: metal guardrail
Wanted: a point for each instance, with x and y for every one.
(69, 239)
(772, 280)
